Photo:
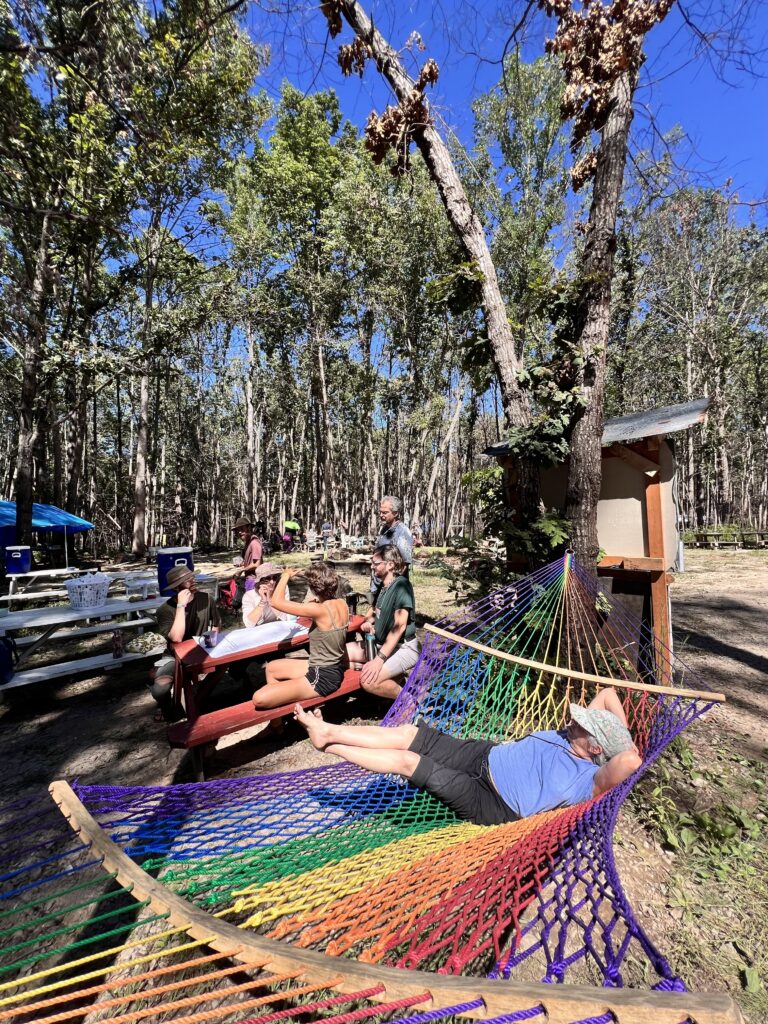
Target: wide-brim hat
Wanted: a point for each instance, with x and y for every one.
(265, 570)
(605, 727)
(178, 575)
(241, 522)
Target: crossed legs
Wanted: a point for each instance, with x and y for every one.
(369, 746)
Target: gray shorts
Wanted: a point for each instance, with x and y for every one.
(404, 658)
(166, 666)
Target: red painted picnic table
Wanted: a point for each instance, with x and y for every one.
(194, 661)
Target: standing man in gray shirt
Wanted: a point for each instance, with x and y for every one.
(392, 531)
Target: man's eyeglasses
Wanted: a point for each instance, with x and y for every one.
(375, 564)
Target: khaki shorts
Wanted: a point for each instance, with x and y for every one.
(404, 658)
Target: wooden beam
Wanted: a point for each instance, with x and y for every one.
(561, 1003)
(634, 459)
(632, 564)
(662, 627)
(570, 673)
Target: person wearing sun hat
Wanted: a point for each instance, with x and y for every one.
(491, 783)
(188, 613)
(257, 607)
(605, 731)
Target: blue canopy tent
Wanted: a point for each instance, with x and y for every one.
(45, 518)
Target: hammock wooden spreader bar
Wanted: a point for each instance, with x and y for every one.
(561, 1004)
(570, 673)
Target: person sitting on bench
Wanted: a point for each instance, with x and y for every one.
(491, 783)
(292, 679)
(188, 613)
(257, 600)
(392, 621)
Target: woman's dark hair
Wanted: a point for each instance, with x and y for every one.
(389, 553)
(322, 580)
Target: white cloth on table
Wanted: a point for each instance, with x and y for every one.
(237, 640)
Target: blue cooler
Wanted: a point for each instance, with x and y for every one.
(167, 559)
(18, 559)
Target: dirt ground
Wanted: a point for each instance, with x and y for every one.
(101, 731)
(720, 622)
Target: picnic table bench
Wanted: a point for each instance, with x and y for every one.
(15, 584)
(713, 539)
(28, 596)
(754, 538)
(203, 727)
(51, 620)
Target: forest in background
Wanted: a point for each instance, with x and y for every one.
(225, 306)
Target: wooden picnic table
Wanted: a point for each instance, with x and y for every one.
(27, 596)
(754, 538)
(15, 578)
(713, 539)
(194, 662)
(51, 621)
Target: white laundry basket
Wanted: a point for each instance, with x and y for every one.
(89, 591)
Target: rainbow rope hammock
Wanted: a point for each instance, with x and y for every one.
(263, 895)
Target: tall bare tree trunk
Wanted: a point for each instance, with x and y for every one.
(250, 429)
(139, 545)
(585, 470)
(463, 218)
(30, 383)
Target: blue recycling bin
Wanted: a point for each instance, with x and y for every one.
(18, 559)
(167, 559)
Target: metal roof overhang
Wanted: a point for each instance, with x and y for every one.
(639, 425)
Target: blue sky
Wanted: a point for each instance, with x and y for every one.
(724, 113)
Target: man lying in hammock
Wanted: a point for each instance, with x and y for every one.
(491, 783)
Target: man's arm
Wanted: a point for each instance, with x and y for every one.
(404, 543)
(618, 768)
(178, 625)
(608, 700)
(372, 669)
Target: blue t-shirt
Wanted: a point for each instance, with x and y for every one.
(539, 773)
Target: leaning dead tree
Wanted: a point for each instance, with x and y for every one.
(393, 132)
(600, 47)
(601, 50)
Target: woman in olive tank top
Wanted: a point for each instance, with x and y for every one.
(292, 679)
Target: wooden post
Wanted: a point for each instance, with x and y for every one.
(659, 597)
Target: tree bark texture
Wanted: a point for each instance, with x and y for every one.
(30, 383)
(593, 319)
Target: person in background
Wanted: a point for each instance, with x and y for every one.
(290, 679)
(392, 531)
(393, 625)
(291, 530)
(257, 600)
(253, 555)
(188, 613)
(326, 533)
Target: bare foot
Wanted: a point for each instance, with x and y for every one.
(318, 730)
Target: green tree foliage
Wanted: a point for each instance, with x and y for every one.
(689, 321)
